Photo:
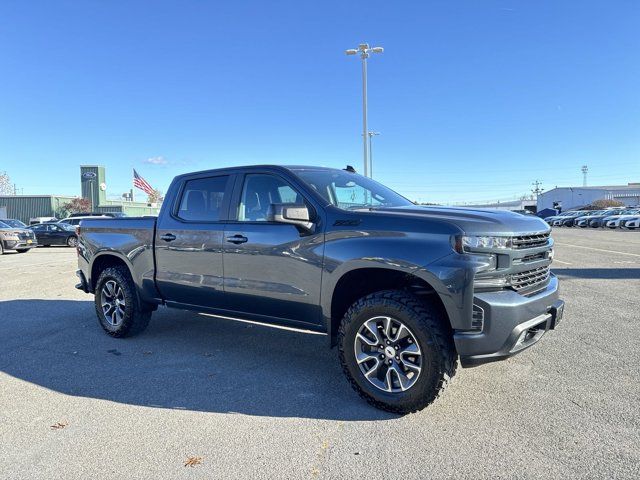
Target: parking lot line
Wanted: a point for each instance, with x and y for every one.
(560, 261)
(598, 249)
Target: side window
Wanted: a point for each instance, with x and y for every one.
(202, 199)
(259, 192)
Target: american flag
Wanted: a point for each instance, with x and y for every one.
(141, 183)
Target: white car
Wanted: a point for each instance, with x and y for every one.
(583, 221)
(35, 220)
(77, 220)
(615, 220)
(631, 223)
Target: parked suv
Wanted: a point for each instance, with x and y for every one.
(404, 291)
(15, 238)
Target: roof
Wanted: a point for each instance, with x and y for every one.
(37, 196)
(631, 186)
(259, 166)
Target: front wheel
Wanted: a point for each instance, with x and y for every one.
(396, 351)
(22, 250)
(117, 306)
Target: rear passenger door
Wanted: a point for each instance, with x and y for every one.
(189, 241)
(272, 271)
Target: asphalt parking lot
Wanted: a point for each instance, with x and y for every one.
(253, 402)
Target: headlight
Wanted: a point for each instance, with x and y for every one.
(471, 243)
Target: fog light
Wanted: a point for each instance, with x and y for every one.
(477, 318)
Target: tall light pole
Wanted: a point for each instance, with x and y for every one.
(371, 135)
(364, 50)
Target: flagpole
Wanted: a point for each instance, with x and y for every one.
(133, 185)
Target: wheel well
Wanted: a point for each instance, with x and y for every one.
(102, 262)
(359, 283)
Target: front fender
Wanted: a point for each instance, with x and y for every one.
(406, 252)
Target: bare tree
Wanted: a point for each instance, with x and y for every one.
(6, 187)
(155, 197)
(604, 203)
(78, 205)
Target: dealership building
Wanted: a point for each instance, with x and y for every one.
(573, 197)
(93, 186)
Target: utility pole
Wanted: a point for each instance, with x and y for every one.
(537, 190)
(585, 170)
(364, 50)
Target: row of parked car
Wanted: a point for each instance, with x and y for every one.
(628, 218)
(15, 235)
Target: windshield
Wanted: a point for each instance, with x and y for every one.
(67, 226)
(351, 191)
(4, 225)
(13, 223)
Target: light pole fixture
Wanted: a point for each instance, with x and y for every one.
(364, 50)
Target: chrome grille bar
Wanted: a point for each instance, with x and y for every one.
(530, 241)
(530, 278)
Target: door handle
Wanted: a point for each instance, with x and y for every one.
(237, 239)
(168, 237)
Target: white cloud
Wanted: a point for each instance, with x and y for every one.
(156, 161)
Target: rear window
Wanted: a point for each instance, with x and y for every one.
(202, 199)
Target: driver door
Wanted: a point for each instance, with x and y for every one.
(272, 271)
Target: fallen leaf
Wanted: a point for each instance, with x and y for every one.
(59, 425)
(193, 461)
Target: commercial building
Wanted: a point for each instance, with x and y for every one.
(25, 207)
(573, 197)
(510, 205)
(93, 187)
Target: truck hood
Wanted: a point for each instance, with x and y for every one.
(473, 221)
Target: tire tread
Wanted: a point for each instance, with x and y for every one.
(430, 320)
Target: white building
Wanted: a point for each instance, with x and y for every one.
(509, 205)
(571, 197)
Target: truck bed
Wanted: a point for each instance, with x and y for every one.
(129, 238)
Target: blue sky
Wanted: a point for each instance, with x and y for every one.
(474, 100)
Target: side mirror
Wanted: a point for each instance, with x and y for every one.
(293, 214)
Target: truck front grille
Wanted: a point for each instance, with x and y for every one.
(530, 241)
(530, 279)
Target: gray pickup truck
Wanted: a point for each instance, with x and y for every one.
(403, 291)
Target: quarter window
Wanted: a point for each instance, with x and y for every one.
(202, 199)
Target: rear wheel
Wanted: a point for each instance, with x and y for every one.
(22, 250)
(396, 351)
(119, 311)
(72, 241)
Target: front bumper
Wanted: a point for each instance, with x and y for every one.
(511, 324)
(18, 244)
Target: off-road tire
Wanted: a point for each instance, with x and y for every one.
(429, 324)
(136, 315)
